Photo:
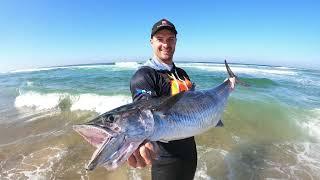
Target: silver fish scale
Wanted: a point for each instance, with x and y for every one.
(194, 113)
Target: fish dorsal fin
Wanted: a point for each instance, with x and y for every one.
(231, 74)
(168, 102)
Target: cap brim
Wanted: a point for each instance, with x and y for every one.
(165, 27)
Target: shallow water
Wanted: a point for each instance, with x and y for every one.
(271, 129)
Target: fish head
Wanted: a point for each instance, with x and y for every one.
(116, 135)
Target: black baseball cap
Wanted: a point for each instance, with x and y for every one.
(163, 24)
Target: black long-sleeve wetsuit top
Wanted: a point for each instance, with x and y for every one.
(149, 82)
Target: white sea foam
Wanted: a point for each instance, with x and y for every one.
(87, 67)
(236, 139)
(285, 68)
(284, 160)
(127, 64)
(36, 165)
(99, 103)
(39, 101)
(92, 102)
(308, 154)
(307, 159)
(29, 83)
(313, 129)
(312, 124)
(38, 69)
(209, 160)
(246, 69)
(109, 67)
(201, 173)
(191, 64)
(134, 174)
(61, 67)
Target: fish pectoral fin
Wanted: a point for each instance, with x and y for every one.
(167, 103)
(220, 123)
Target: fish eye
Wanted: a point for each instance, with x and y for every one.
(111, 118)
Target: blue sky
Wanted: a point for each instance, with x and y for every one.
(37, 33)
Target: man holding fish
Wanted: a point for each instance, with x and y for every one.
(160, 77)
(157, 128)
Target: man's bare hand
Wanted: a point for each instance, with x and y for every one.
(143, 155)
(232, 82)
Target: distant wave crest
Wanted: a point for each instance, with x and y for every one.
(246, 69)
(127, 64)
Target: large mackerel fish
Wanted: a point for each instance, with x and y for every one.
(118, 133)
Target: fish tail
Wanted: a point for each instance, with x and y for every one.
(231, 74)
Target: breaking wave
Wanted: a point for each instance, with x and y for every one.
(65, 101)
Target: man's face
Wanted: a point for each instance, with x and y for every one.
(163, 44)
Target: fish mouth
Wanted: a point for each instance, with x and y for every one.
(96, 136)
(112, 148)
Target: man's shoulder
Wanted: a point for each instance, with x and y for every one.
(144, 73)
(144, 81)
(144, 70)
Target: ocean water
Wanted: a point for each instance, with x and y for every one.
(272, 129)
